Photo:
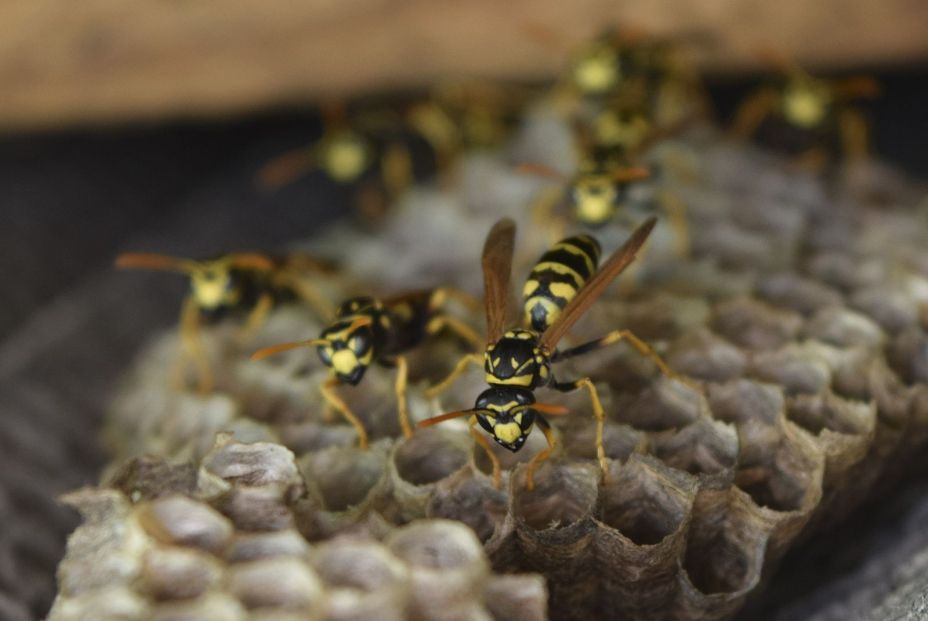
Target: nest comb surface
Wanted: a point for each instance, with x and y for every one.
(799, 308)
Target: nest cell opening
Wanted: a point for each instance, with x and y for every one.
(641, 506)
(430, 455)
(345, 476)
(562, 495)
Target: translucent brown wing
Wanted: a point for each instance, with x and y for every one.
(497, 268)
(595, 286)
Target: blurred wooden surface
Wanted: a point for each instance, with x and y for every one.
(109, 60)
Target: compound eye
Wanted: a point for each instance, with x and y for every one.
(356, 344)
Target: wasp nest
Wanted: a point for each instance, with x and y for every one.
(798, 308)
(224, 540)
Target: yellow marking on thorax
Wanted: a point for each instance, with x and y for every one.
(515, 380)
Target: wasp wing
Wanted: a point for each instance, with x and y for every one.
(594, 287)
(497, 269)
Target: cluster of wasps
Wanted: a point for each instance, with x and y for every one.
(621, 95)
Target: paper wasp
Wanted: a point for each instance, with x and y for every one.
(605, 188)
(361, 150)
(518, 361)
(803, 114)
(232, 282)
(367, 331)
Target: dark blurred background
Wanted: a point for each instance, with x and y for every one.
(69, 324)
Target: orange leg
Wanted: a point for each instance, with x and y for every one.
(485, 445)
(542, 455)
(336, 402)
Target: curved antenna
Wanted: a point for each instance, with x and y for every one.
(496, 261)
(550, 409)
(540, 170)
(862, 87)
(286, 167)
(634, 173)
(428, 422)
(160, 262)
(595, 286)
(282, 347)
(250, 261)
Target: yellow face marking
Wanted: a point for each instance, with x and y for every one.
(344, 361)
(518, 418)
(345, 159)
(385, 322)
(805, 105)
(502, 408)
(596, 69)
(507, 432)
(211, 288)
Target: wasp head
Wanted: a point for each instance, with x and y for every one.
(213, 285)
(347, 347)
(505, 412)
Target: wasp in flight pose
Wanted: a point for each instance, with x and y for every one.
(230, 282)
(808, 113)
(367, 330)
(517, 362)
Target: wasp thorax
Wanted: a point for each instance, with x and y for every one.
(516, 360)
(213, 286)
(348, 350)
(505, 413)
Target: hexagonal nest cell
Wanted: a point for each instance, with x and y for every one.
(255, 502)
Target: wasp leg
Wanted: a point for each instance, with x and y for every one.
(440, 322)
(855, 135)
(402, 373)
(545, 453)
(336, 402)
(598, 412)
(396, 170)
(443, 294)
(190, 340)
(752, 113)
(311, 295)
(256, 319)
(287, 167)
(459, 368)
(675, 209)
(485, 445)
(640, 346)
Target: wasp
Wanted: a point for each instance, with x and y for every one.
(349, 152)
(516, 362)
(230, 282)
(605, 189)
(807, 113)
(368, 330)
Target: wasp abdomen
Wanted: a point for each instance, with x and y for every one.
(556, 278)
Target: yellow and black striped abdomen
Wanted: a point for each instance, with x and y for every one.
(556, 278)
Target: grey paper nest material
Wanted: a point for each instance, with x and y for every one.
(222, 542)
(801, 313)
